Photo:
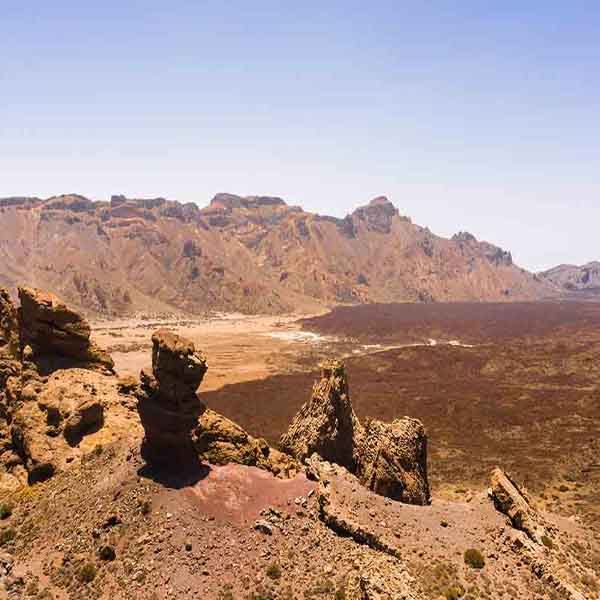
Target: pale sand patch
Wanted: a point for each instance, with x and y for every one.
(238, 347)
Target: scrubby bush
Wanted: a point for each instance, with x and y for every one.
(7, 535)
(5, 511)
(547, 542)
(454, 593)
(274, 571)
(474, 558)
(87, 573)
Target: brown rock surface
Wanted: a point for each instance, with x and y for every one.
(177, 366)
(167, 402)
(9, 336)
(393, 460)
(326, 424)
(511, 500)
(388, 458)
(221, 441)
(55, 419)
(58, 336)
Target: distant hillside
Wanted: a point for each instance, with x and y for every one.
(252, 254)
(583, 280)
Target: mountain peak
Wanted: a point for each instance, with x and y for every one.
(380, 201)
(231, 201)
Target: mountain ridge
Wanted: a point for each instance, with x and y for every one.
(243, 253)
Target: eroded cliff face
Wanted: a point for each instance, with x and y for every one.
(254, 254)
(55, 387)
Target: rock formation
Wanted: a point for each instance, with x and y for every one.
(9, 336)
(47, 404)
(179, 429)
(221, 441)
(511, 500)
(326, 424)
(388, 458)
(56, 336)
(393, 460)
(168, 405)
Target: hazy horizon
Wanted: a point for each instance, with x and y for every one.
(467, 117)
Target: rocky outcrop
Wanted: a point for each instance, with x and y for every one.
(385, 575)
(326, 424)
(221, 441)
(9, 336)
(55, 419)
(388, 458)
(530, 539)
(47, 405)
(56, 336)
(393, 460)
(179, 429)
(511, 500)
(168, 405)
(382, 578)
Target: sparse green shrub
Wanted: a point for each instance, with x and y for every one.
(454, 593)
(274, 571)
(7, 535)
(98, 449)
(474, 558)
(146, 507)
(340, 594)
(5, 511)
(87, 573)
(547, 542)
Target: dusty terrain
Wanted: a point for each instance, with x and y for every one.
(526, 395)
(522, 390)
(511, 385)
(240, 347)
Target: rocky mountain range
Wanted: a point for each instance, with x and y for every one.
(252, 254)
(574, 279)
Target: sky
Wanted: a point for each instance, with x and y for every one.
(478, 116)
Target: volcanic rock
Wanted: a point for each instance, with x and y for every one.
(168, 405)
(388, 458)
(9, 337)
(177, 367)
(54, 417)
(393, 460)
(221, 441)
(326, 424)
(57, 335)
(511, 500)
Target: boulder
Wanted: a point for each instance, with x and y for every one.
(326, 424)
(56, 336)
(513, 501)
(221, 441)
(177, 366)
(168, 405)
(393, 460)
(55, 416)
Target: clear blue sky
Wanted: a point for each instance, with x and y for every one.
(482, 116)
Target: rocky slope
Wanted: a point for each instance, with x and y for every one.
(254, 254)
(231, 518)
(583, 280)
